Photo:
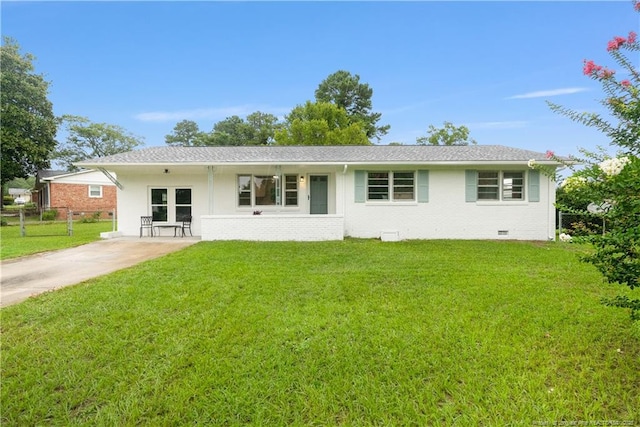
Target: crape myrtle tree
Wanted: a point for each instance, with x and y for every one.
(613, 182)
(28, 125)
(87, 140)
(344, 90)
(449, 134)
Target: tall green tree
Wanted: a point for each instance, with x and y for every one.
(447, 135)
(264, 127)
(613, 182)
(28, 125)
(232, 131)
(185, 134)
(320, 123)
(258, 129)
(345, 91)
(87, 140)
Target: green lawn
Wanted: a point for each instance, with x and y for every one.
(47, 236)
(358, 332)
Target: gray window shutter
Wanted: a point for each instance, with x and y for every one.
(471, 185)
(360, 186)
(534, 186)
(423, 186)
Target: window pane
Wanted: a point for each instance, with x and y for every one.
(291, 190)
(158, 196)
(183, 196)
(487, 193)
(183, 203)
(265, 190)
(403, 185)
(244, 190)
(183, 212)
(159, 213)
(513, 186)
(159, 204)
(488, 186)
(378, 186)
(95, 191)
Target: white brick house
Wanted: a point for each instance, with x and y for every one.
(327, 193)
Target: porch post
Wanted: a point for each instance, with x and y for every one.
(210, 170)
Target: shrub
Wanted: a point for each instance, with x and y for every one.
(94, 217)
(49, 215)
(7, 200)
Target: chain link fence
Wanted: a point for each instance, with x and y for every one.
(580, 224)
(53, 221)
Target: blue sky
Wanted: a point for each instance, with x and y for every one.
(487, 65)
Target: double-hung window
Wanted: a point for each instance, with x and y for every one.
(512, 185)
(183, 204)
(159, 204)
(500, 185)
(391, 186)
(267, 190)
(95, 191)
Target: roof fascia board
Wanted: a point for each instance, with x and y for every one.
(53, 178)
(311, 163)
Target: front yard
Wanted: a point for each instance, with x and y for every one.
(47, 236)
(358, 332)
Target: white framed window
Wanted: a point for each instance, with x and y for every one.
(160, 204)
(291, 190)
(183, 204)
(95, 191)
(267, 190)
(500, 185)
(512, 185)
(170, 204)
(398, 186)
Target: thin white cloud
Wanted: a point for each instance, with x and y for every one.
(498, 125)
(552, 92)
(205, 113)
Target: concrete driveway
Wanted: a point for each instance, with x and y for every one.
(23, 277)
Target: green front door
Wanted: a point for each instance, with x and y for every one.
(319, 194)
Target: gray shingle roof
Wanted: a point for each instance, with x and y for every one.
(318, 154)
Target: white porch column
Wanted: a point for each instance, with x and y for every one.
(210, 170)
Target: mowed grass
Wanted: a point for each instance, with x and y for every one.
(358, 332)
(48, 236)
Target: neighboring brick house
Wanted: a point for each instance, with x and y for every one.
(85, 193)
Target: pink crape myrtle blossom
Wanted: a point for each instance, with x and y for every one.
(625, 83)
(594, 70)
(618, 41)
(615, 43)
(549, 154)
(636, 6)
(606, 73)
(590, 67)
